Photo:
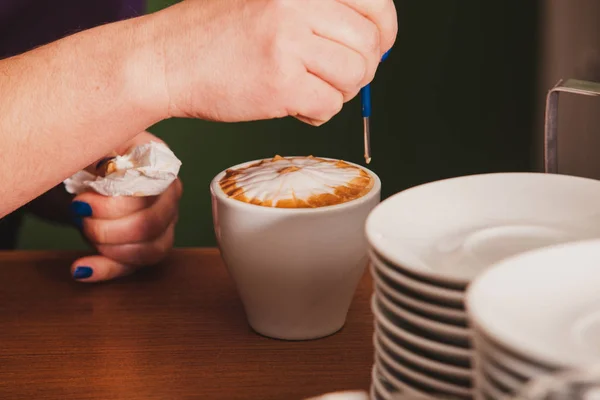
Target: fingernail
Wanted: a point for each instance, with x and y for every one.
(385, 55)
(82, 272)
(79, 210)
(104, 160)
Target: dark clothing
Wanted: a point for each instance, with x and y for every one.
(26, 24)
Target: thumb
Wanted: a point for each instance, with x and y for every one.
(99, 268)
(309, 121)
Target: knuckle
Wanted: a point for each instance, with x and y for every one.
(338, 103)
(389, 37)
(357, 72)
(351, 95)
(280, 87)
(96, 232)
(381, 6)
(112, 206)
(369, 75)
(165, 246)
(330, 105)
(155, 252)
(158, 222)
(281, 74)
(281, 13)
(390, 32)
(372, 40)
(335, 104)
(179, 188)
(144, 227)
(278, 32)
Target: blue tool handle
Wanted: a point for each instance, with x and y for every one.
(365, 93)
(365, 98)
(385, 55)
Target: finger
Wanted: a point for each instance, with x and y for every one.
(141, 226)
(315, 100)
(122, 260)
(107, 207)
(100, 167)
(324, 60)
(141, 254)
(383, 14)
(308, 120)
(350, 29)
(99, 268)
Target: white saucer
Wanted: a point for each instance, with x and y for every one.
(500, 376)
(458, 354)
(522, 368)
(377, 388)
(435, 327)
(449, 231)
(544, 305)
(384, 389)
(425, 363)
(374, 394)
(424, 380)
(402, 386)
(430, 309)
(433, 293)
(489, 389)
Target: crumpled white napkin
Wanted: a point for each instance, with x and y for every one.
(146, 170)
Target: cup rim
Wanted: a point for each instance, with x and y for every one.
(216, 191)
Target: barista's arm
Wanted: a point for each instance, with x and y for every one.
(66, 104)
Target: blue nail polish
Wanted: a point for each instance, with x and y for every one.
(385, 55)
(82, 272)
(80, 209)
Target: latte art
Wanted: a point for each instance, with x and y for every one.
(296, 182)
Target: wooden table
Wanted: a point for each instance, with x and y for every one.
(173, 332)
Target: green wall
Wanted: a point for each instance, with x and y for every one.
(455, 97)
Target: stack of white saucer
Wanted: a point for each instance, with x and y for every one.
(430, 242)
(422, 342)
(535, 314)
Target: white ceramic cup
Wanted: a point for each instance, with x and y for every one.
(296, 269)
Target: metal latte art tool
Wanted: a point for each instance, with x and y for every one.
(365, 97)
(366, 113)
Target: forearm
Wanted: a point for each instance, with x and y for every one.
(66, 104)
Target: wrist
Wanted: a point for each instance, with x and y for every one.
(143, 68)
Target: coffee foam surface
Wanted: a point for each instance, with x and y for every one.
(297, 182)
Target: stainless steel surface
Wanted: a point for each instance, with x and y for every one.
(569, 47)
(573, 86)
